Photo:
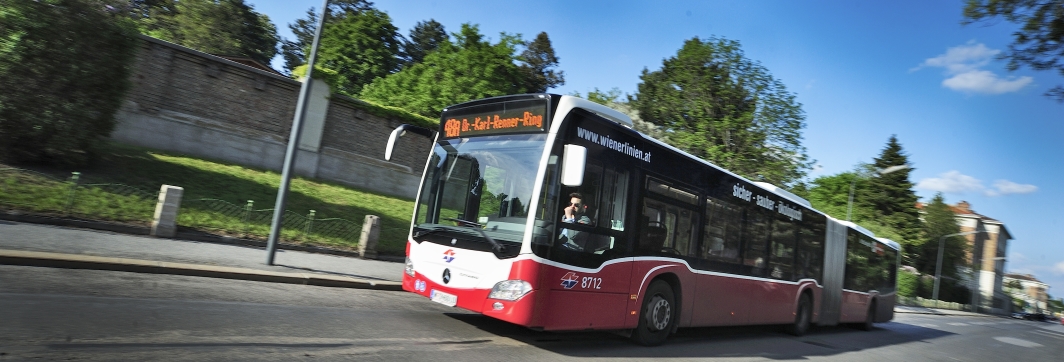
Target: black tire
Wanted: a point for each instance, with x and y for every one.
(803, 316)
(657, 317)
(870, 319)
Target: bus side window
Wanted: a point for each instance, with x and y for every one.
(674, 210)
(756, 241)
(810, 249)
(721, 238)
(781, 257)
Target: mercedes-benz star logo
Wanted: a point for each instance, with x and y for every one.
(446, 276)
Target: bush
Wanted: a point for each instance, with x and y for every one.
(908, 284)
(64, 69)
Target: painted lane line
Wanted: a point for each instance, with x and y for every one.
(1049, 334)
(1018, 342)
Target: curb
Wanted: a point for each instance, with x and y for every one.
(71, 261)
(181, 235)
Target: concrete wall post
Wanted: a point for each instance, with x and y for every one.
(367, 243)
(165, 221)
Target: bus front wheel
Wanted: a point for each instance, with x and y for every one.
(658, 315)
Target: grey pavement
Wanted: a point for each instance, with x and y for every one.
(54, 246)
(937, 311)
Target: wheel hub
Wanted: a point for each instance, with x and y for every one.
(658, 313)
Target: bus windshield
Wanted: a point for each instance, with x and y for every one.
(480, 182)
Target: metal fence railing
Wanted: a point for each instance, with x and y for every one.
(38, 192)
(247, 221)
(931, 303)
(41, 193)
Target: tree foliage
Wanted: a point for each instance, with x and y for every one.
(539, 63)
(64, 68)
(613, 99)
(939, 221)
(468, 68)
(361, 47)
(220, 27)
(295, 51)
(714, 103)
(1039, 43)
(891, 195)
(425, 37)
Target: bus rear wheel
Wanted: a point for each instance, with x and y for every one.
(870, 319)
(658, 315)
(803, 317)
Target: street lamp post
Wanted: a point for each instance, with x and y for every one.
(881, 172)
(938, 264)
(293, 141)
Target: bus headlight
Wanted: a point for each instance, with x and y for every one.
(409, 267)
(510, 290)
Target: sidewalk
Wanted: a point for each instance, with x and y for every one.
(53, 246)
(922, 310)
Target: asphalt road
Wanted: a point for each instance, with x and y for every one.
(64, 314)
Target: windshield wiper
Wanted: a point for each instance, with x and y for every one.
(495, 246)
(429, 231)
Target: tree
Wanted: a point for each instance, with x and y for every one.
(612, 98)
(361, 47)
(831, 194)
(891, 195)
(714, 103)
(468, 68)
(221, 27)
(1039, 43)
(64, 69)
(539, 61)
(295, 51)
(939, 221)
(425, 37)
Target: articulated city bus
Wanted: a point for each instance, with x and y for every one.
(553, 213)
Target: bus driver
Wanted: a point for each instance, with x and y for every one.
(576, 212)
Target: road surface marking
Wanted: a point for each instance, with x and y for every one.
(1050, 334)
(1018, 342)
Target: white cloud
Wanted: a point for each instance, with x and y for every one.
(962, 59)
(951, 182)
(954, 182)
(963, 65)
(1058, 268)
(983, 81)
(1006, 187)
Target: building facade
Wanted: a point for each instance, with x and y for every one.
(988, 244)
(1030, 290)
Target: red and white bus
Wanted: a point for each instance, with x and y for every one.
(667, 240)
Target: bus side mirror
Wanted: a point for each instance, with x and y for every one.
(401, 131)
(574, 160)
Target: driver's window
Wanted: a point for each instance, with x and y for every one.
(601, 210)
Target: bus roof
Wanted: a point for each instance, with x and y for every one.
(569, 102)
(890, 243)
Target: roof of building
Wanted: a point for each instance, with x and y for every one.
(1027, 277)
(964, 209)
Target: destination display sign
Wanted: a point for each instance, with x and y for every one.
(523, 116)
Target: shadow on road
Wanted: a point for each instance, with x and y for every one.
(747, 341)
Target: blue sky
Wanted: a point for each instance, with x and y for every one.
(863, 71)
